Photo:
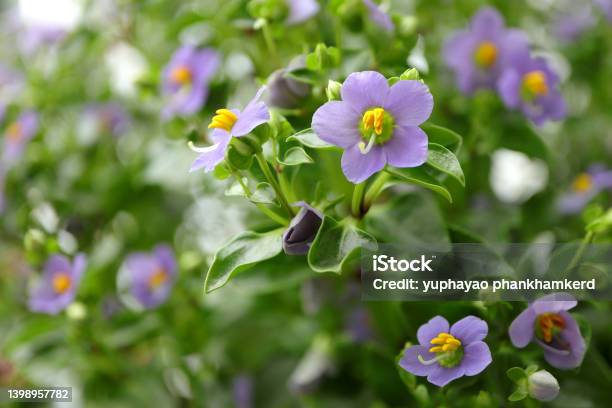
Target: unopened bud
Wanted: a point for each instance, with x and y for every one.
(333, 90)
(543, 386)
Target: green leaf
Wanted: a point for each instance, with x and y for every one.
(235, 189)
(516, 374)
(443, 136)
(444, 160)
(240, 254)
(263, 194)
(335, 244)
(309, 138)
(517, 395)
(419, 177)
(296, 156)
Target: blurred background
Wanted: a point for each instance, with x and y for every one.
(104, 173)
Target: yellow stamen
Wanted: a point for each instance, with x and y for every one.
(181, 75)
(374, 119)
(61, 282)
(224, 119)
(158, 278)
(583, 183)
(486, 54)
(548, 322)
(535, 83)
(444, 342)
(14, 132)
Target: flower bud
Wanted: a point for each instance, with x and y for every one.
(284, 91)
(333, 90)
(410, 74)
(302, 230)
(543, 386)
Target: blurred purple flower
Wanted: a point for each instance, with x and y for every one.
(11, 83)
(446, 353)
(547, 323)
(376, 124)
(243, 391)
(358, 325)
(479, 54)
(301, 10)
(285, 92)
(584, 188)
(530, 85)
(226, 124)
(57, 288)
(569, 27)
(378, 16)
(17, 135)
(109, 118)
(302, 230)
(35, 37)
(150, 276)
(2, 203)
(606, 8)
(185, 80)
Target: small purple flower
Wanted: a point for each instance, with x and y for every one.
(479, 54)
(36, 37)
(446, 353)
(108, 118)
(301, 10)
(531, 86)
(547, 323)
(227, 124)
(17, 135)
(302, 230)
(378, 16)
(584, 188)
(606, 8)
(58, 285)
(150, 276)
(376, 124)
(358, 325)
(285, 92)
(185, 80)
(568, 27)
(242, 390)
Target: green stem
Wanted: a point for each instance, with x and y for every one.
(375, 189)
(269, 39)
(580, 252)
(274, 216)
(357, 201)
(263, 164)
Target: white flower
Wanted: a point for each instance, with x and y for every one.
(515, 178)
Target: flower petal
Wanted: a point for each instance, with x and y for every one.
(364, 90)
(431, 329)
(214, 154)
(407, 147)
(553, 303)
(301, 10)
(470, 329)
(577, 347)
(378, 16)
(441, 376)
(357, 167)
(476, 357)
(336, 123)
(410, 360)
(255, 113)
(508, 88)
(410, 103)
(487, 22)
(521, 329)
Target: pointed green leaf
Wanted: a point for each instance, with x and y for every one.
(240, 254)
(309, 138)
(296, 156)
(518, 395)
(443, 136)
(263, 194)
(419, 177)
(516, 374)
(442, 159)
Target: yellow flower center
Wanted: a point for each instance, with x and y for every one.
(443, 343)
(535, 83)
(224, 119)
(486, 54)
(14, 132)
(181, 75)
(549, 324)
(61, 282)
(583, 183)
(373, 119)
(159, 277)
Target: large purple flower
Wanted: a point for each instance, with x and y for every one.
(479, 54)
(584, 188)
(378, 16)
(185, 80)
(547, 323)
(376, 124)
(58, 285)
(150, 277)
(301, 10)
(530, 85)
(17, 135)
(226, 124)
(446, 352)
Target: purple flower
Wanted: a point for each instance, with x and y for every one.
(569, 26)
(446, 353)
(243, 391)
(302, 230)
(108, 118)
(285, 92)
(150, 276)
(58, 285)
(530, 85)
(547, 323)
(226, 124)
(584, 188)
(358, 325)
(2, 203)
(17, 135)
(479, 54)
(185, 80)
(606, 8)
(378, 16)
(35, 37)
(301, 10)
(376, 124)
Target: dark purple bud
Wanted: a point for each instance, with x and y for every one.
(302, 230)
(286, 92)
